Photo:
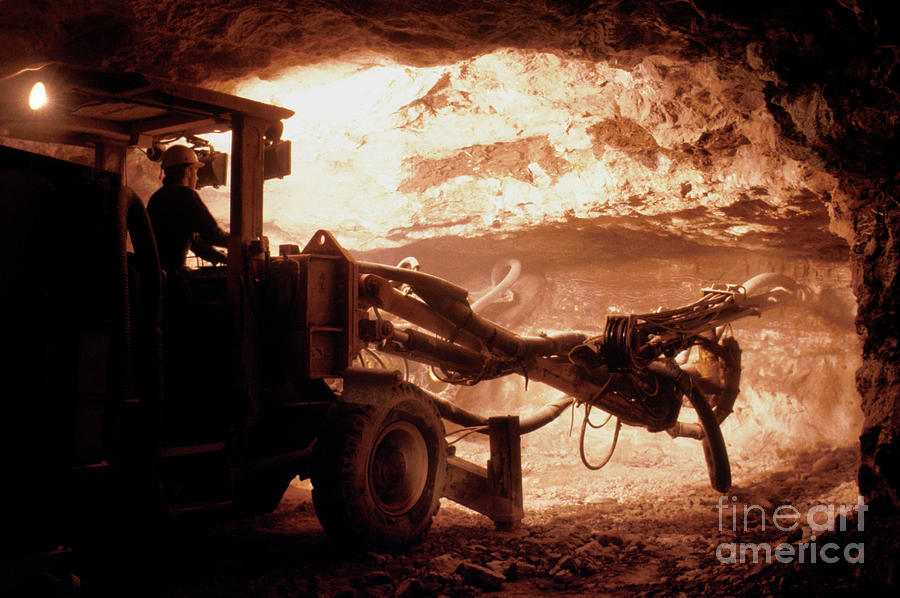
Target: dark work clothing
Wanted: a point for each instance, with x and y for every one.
(178, 214)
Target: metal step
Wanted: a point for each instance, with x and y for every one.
(195, 507)
(181, 450)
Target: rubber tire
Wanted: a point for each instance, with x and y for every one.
(346, 504)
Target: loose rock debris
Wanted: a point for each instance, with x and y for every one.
(661, 543)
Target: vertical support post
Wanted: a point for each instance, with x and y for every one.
(504, 473)
(247, 162)
(110, 155)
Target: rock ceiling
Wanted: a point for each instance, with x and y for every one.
(418, 119)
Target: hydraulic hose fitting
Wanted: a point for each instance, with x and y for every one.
(370, 284)
(373, 331)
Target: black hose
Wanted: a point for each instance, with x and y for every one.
(714, 449)
(146, 347)
(545, 415)
(419, 281)
(671, 371)
(150, 318)
(530, 423)
(455, 413)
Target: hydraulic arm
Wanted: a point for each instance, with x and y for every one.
(629, 370)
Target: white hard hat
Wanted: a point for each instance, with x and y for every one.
(179, 154)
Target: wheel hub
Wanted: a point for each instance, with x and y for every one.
(398, 468)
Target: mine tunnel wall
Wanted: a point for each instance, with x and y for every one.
(830, 73)
(876, 285)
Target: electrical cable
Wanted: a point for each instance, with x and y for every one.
(466, 433)
(612, 448)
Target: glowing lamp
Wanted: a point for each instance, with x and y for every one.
(37, 99)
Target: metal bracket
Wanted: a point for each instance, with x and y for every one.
(494, 491)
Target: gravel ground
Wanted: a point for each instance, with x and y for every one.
(648, 524)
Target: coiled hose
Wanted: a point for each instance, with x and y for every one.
(513, 269)
(132, 220)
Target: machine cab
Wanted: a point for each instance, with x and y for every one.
(88, 394)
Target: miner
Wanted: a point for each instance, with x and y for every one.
(180, 219)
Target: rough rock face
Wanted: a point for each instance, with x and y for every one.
(876, 284)
(814, 85)
(514, 139)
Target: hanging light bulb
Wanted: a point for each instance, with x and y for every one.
(37, 99)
